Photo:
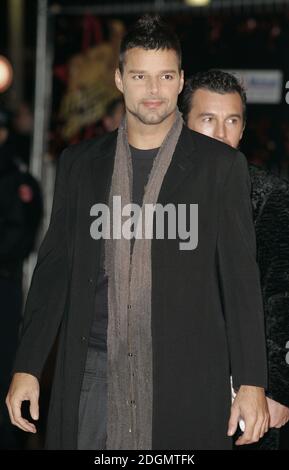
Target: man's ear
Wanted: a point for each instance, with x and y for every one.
(181, 81)
(118, 80)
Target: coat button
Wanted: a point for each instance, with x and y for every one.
(90, 280)
(83, 338)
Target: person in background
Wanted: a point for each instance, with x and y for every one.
(113, 115)
(22, 124)
(214, 104)
(20, 216)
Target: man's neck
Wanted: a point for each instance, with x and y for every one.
(147, 136)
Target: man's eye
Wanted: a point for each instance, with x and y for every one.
(207, 119)
(167, 76)
(233, 121)
(138, 77)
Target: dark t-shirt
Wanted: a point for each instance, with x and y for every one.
(142, 162)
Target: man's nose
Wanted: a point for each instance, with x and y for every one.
(220, 131)
(153, 85)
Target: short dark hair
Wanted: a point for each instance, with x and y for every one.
(150, 32)
(212, 80)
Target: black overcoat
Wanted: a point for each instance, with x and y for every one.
(207, 316)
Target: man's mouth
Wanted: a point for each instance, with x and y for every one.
(152, 104)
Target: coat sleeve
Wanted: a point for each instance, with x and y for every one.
(240, 280)
(45, 303)
(273, 231)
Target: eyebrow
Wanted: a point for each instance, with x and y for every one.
(214, 114)
(145, 71)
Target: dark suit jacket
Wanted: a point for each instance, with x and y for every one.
(270, 197)
(207, 318)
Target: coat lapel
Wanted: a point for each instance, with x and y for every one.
(96, 185)
(102, 168)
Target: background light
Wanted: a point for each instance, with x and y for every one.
(6, 74)
(198, 3)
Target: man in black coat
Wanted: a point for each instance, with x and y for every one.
(214, 103)
(206, 318)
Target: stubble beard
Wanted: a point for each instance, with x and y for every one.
(151, 117)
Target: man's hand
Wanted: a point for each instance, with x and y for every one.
(279, 414)
(251, 406)
(23, 387)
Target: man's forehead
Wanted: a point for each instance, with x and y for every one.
(208, 102)
(143, 59)
(203, 96)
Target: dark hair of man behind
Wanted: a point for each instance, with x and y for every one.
(150, 32)
(213, 80)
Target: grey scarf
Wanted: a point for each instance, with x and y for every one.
(129, 339)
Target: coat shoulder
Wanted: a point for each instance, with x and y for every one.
(80, 154)
(270, 182)
(269, 192)
(212, 149)
(217, 156)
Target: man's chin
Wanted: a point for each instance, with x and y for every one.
(152, 119)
